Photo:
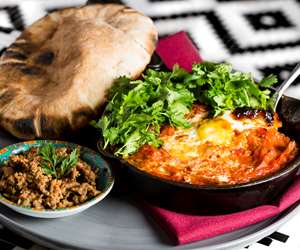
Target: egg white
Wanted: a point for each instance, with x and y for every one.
(184, 143)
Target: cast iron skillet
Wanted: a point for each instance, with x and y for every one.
(193, 199)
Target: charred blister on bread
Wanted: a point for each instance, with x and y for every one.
(54, 127)
(13, 54)
(30, 70)
(81, 115)
(25, 125)
(45, 57)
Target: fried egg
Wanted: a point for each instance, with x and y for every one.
(185, 142)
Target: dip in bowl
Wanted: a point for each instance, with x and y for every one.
(50, 179)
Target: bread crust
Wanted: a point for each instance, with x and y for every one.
(54, 77)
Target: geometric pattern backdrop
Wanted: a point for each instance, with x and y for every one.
(255, 36)
(261, 37)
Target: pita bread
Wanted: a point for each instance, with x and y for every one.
(53, 78)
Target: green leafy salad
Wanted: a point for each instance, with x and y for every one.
(137, 109)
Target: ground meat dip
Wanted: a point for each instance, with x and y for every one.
(24, 182)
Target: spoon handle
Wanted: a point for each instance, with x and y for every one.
(292, 77)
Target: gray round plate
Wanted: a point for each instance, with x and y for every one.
(118, 223)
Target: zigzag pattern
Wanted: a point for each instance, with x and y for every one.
(250, 35)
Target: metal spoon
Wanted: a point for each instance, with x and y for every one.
(280, 90)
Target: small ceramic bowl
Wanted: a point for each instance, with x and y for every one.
(105, 180)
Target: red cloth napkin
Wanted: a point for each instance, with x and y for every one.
(188, 228)
(178, 48)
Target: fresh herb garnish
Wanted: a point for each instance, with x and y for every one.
(57, 165)
(137, 109)
(221, 89)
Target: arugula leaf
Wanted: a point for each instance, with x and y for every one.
(50, 160)
(268, 81)
(227, 90)
(138, 108)
(57, 165)
(68, 162)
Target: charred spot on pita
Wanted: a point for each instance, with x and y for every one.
(45, 57)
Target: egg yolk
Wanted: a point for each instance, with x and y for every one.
(217, 131)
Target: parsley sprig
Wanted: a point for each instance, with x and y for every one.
(138, 108)
(57, 165)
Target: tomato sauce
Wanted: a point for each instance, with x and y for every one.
(250, 155)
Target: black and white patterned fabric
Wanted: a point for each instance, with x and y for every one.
(261, 36)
